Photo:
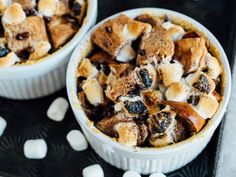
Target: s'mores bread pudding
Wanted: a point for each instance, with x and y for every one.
(32, 30)
(149, 81)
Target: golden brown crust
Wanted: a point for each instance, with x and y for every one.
(102, 57)
(120, 86)
(191, 53)
(155, 45)
(60, 31)
(35, 28)
(110, 37)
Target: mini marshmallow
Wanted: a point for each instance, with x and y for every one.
(126, 54)
(87, 69)
(170, 73)
(157, 175)
(9, 60)
(35, 149)
(47, 7)
(213, 65)
(40, 50)
(14, 14)
(3, 5)
(77, 140)
(176, 32)
(207, 106)
(128, 133)
(177, 91)
(93, 171)
(93, 92)
(3, 125)
(58, 109)
(131, 174)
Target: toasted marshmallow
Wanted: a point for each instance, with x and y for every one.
(146, 76)
(128, 133)
(47, 7)
(178, 91)
(161, 140)
(3, 5)
(151, 98)
(9, 60)
(201, 82)
(206, 106)
(126, 54)
(170, 73)
(41, 49)
(93, 92)
(176, 32)
(213, 65)
(87, 69)
(14, 14)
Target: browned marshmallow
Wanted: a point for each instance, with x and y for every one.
(161, 127)
(191, 53)
(47, 7)
(176, 32)
(128, 133)
(170, 73)
(178, 91)
(115, 36)
(146, 76)
(201, 82)
(93, 92)
(26, 34)
(87, 69)
(9, 60)
(3, 5)
(213, 66)
(156, 45)
(61, 30)
(26, 4)
(13, 15)
(206, 106)
(41, 49)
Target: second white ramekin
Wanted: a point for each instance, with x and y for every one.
(146, 160)
(47, 76)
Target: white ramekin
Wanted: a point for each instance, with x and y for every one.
(146, 160)
(47, 76)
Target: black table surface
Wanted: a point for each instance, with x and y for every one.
(28, 119)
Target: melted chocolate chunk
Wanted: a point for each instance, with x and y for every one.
(22, 36)
(76, 8)
(31, 12)
(24, 54)
(3, 51)
(47, 19)
(202, 85)
(159, 123)
(145, 77)
(108, 29)
(193, 99)
(142, 52)
(136, 107)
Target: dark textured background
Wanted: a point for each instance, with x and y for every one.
(27, 119)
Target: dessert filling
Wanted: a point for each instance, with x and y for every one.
(149, 82)
(31, 30)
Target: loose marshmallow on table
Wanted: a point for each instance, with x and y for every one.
(131, 174)
(3, 125)
(58, 109)
(93, 171)
(35, 149)
(77, 140)
(157, 175)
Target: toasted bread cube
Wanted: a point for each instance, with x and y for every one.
(26, 34)
(61, 30)
(117, 34)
